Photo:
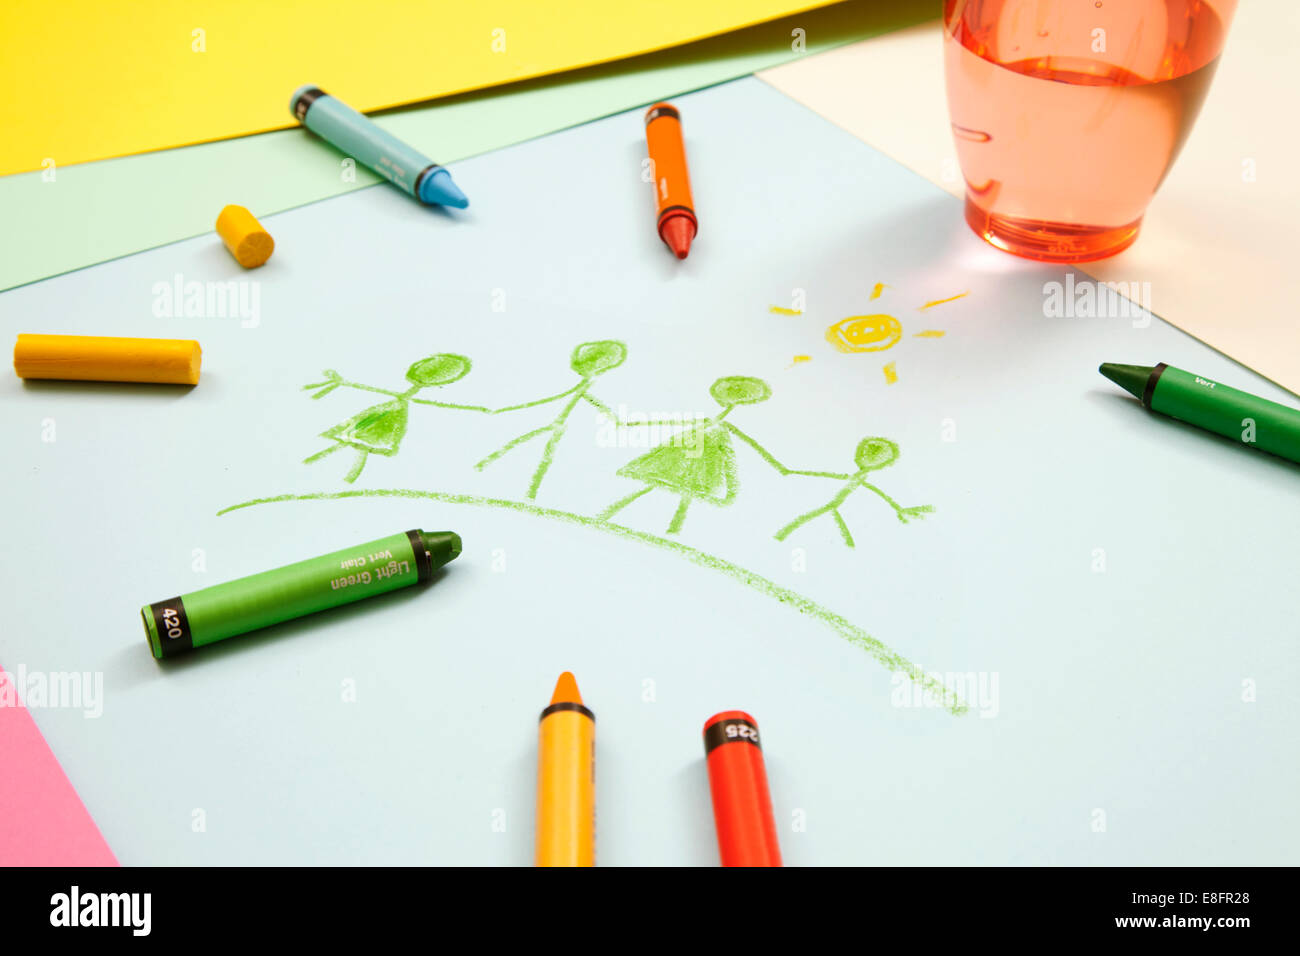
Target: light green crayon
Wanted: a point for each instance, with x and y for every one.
(213, 614)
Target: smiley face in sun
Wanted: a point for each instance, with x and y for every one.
(865, 333)
(878, 332)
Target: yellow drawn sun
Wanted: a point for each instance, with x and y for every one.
(878, 332)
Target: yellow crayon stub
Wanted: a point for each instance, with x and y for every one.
(248, 242)
(94, 358)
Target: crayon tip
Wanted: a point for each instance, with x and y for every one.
(439, 190)
(566, 690)
(443, 546)
(677, 232)
(1131, 378)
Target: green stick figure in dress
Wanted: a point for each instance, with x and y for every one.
(872, 454)
(700, 462)
(379, 429)
(589, 360)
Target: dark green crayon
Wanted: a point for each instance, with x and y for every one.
(1211, 405)
(213, 614)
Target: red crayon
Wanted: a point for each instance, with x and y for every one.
(677, 223)
(742, 806)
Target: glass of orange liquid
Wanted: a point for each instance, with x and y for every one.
(1068, 113)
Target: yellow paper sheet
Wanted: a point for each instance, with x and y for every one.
(85, 79)
(1219, 243)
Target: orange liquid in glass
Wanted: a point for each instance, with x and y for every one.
(1068, 113)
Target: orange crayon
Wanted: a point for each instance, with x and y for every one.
(566, 779)
(677, 223)
(742, 805)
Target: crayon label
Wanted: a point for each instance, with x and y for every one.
(566, 705)
(663, 110)
(173, 626)
(730, 732)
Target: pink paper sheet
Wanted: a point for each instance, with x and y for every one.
(42, 820)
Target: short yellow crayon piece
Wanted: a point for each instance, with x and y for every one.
(94, 358)
(566, 779)
(248, 242)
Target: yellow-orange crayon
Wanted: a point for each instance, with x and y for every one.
(248, 242)
(97, 358)
(566, 779)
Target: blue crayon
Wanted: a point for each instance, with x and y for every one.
(344, 128)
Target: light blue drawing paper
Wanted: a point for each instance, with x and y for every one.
(1118, 584)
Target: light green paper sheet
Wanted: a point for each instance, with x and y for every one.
(94, 212)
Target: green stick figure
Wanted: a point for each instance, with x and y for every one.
(590, 360)
(700, 462)
(379, 429)
(872, 454)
